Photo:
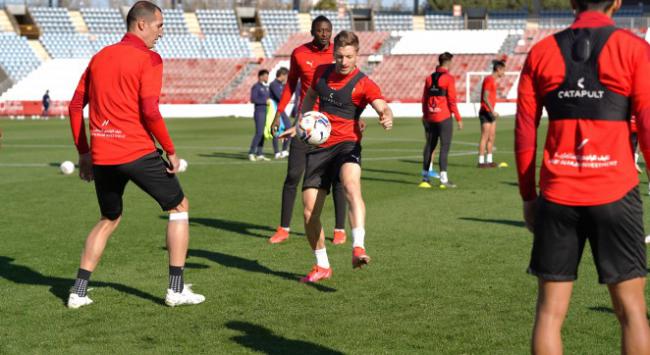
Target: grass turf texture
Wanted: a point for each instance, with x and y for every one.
(447, 274)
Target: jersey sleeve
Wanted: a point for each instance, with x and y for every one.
(529, 112)
(292, 82)
(451, 98)
(371, 91)
(150, 87)
(75, 110)
(641, 97)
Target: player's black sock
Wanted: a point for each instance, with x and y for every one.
(176, 278)
(81, 283)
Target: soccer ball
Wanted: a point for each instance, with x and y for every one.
(67, 167)
(182, 165)
(314, 128)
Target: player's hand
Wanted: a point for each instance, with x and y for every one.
(288, 133)
(530, 208)
(86, 167)
(386, 119)
(174, 162)
(275, 126)
(460, 125)
(362, 125)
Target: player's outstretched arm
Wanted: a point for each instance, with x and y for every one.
(385, 113)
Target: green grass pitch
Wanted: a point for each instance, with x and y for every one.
(447, 275)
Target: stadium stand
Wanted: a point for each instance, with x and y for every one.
(108, 20)
(197, 81)
(52, 19)
(100, 41)
(279, 26)
(393, 21)
(401, 77)
(508, 20)
(340, 20)
(179, 46)
(67, 45)
(175, 22)
(60, 76)
(456, 42)
(226, 46)
(443, 21)
(555, 18)
(370, 42)
(17, 58)
(222, 22)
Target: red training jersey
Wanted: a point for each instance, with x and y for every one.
(365, 92)
(490, 87)
(121, 86)
(585, 161)
(304, 62)
(440, 108)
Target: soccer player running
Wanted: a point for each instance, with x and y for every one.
(304, 61)
(590, 78)
(343, 92)
(438, 104)
(488, 116)
(122, 86)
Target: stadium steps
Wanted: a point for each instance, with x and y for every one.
(418, 23)
(304, 21)
(243, 74)
(78, 22)
(5, 22)
(510, 44)
(388, 45)
(38, 48)
(192, 23)
(257, 49)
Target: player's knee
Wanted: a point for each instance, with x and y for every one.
(113, 217)
(184, 206)
(293, 178)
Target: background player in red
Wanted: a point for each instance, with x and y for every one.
(122, 86)
(488, 116)
(438, 104)
(304, 61)
(589, 78)
(344, 92)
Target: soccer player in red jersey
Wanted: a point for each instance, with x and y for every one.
(488, 116)
(304, 61)
(590, 78)
(343, 92)
(438, 104)
(122, 86)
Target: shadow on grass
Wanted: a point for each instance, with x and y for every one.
(506, 222)
(608, 310)
(260, 339)
(435, 164)
(510, 183)
(231, 226)
(251, 266)
(59, 286)
(234, 156)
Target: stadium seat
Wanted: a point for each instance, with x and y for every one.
(218, 22)
(456, 42)
(52, 19)
(443, 21)
(104, 20)
(17, 58)
(393, 21)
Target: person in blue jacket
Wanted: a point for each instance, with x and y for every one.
(259, 96)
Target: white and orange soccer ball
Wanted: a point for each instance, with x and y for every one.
(314, 128)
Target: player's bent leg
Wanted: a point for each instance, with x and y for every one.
(295, 169)
(628, 300)
(485, 133)
(351, 178)
(552, 305)
(178, 236)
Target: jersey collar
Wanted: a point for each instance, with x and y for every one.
(587, 19)
(130, 38)
(440, 69)
(314, 48)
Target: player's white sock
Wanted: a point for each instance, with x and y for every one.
(636, 158)
(489, 158)
(286, 228)
(431, 166)
(481, 159)
(358, 237)
(321, 258)
(443, 177)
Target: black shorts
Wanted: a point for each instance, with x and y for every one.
(147, 172)
(486, 117)
(323, 166)
(615, 234)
